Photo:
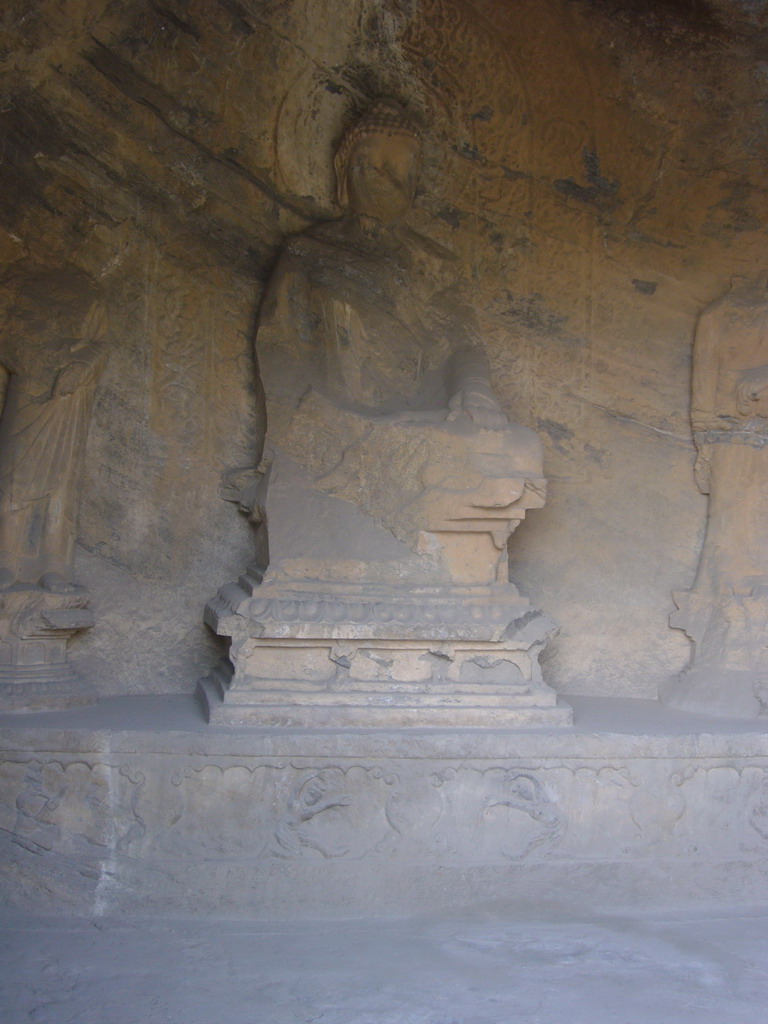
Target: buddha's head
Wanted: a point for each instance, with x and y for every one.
(377, 163)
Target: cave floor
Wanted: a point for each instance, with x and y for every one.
(489, 966)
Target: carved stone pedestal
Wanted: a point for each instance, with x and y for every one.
(330, 657)
(391, 482)
(35, 626)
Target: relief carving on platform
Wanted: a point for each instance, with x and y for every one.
(337, 812)
(282, 811)
(599, 801)
(209, 792)
(129, 824)
(60, 810)
(353, 811)
(81, 829)
(656, 820)
(719, 800)
(758, 813)
(495, 812)
(37, 826)
(317, 794)
(63, 826)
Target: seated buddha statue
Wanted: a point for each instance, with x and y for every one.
(390, 458)
(391, 482)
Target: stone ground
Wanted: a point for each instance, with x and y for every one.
(488, 967)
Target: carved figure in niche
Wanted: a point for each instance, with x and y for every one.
(392, 481)
(52, 350)
(377, 383)
(726, 611)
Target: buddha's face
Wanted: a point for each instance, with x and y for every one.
(381, 176)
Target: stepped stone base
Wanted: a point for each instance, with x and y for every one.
(331, 658)
(367, 715)
(36, 625)
(361, 704)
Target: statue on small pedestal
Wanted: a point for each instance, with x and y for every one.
(52, 350)
(725, 613)
(392, 481)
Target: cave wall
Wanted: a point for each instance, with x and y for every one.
(597, 166)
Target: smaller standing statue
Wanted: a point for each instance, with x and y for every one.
(392, 482)
(52, 349)
(726, 611)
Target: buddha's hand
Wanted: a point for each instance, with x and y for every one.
(74, 376)
(476, 400)
(79, 372)
(750, 388)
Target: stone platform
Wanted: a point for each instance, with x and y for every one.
(542, 965)
(340, 656)
(138, 805)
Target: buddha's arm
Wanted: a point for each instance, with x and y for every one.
(287, 347)
(469, 372)
(472, 391)
(710, 363)
(86, 355)
(751, 387)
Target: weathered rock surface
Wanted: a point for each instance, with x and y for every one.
(598, 169)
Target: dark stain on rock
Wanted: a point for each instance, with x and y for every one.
(594, 177)
(557, 433)
(644, 239)
(644, 287)
(667, 24)
(123, 76)
(599, 191)
(373, 26)
(512, 175)
(27, 128)
(179, 119)
(238, 15)
(470, 152)
(496, 238)
(530, 311)
(451, 216)
(735, 204)
(595, 454)
(176, 21)
(334, 88)
(483, 114)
